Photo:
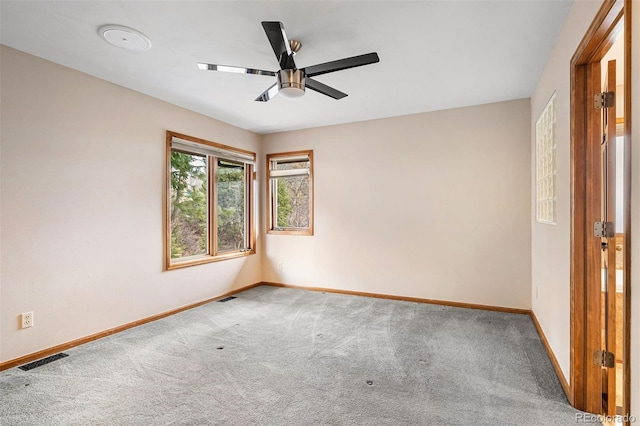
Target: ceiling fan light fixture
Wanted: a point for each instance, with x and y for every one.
(291, 92)
(291, 83)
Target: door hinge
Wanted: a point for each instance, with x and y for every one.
(604, 229)
(604, 100)
(604, 359)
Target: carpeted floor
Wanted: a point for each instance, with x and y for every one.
(276, 356)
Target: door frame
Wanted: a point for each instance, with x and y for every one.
(585, 77)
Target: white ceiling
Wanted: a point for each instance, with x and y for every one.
(433, 54)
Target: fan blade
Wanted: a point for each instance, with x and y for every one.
(312, 84)
(240, 70)
(280, 44)
(341, 64)
(268, 94)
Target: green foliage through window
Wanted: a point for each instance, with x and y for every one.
(285, 207)
(231, 206)
(293, 202)
(188, 204)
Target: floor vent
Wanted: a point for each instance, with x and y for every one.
(226, 299)
(42, 361)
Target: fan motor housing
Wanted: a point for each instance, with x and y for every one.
(291, 83)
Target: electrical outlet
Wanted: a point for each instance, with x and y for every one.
(26, 319)
(280, 265)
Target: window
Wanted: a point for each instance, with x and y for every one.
(546, 164)
(290, 193)
(209, 202)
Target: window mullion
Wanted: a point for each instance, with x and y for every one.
(213, 206)
(269, 195)
(248, 215)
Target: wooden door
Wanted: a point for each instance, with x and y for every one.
(606, 356)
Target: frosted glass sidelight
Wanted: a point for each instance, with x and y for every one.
(546, 164)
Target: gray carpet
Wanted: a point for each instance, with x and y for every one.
(277, 356)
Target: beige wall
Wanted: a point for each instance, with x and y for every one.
(551, 244)
(432, 205)
(82, 189)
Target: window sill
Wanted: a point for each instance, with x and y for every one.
(285, 231)
(202, 259)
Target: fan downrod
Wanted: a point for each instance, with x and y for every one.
(295, 45)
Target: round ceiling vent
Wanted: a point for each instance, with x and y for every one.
(125, 37)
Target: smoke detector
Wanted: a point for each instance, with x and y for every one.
(125, 37)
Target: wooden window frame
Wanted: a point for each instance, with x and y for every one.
(271, 228)
(212, 254)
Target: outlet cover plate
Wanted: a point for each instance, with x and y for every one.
(26, 319)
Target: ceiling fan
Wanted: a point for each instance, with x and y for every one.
(291, 80)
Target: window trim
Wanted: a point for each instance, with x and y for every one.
(271, 229)
(211, 255)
